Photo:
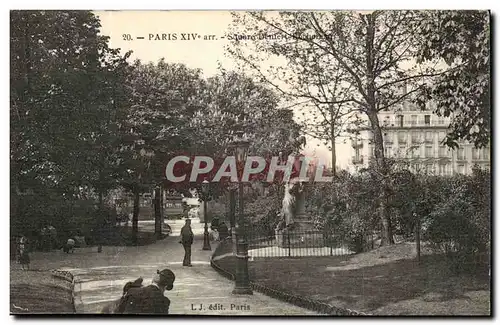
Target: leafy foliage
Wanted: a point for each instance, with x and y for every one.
(454, 212)
(462, 40)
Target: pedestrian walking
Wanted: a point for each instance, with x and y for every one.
(148, 299)
(187, 238)
(24, 258)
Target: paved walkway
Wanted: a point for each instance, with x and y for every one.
(99, 279)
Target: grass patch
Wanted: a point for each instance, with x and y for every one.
(38, 292)
(386, 281)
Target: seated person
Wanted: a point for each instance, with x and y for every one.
(112, 307)
(70, 246)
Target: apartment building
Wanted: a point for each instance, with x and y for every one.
(416, 136)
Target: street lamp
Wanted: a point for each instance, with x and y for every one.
(205, 189)
(242, 280)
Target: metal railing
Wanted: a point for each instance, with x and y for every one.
(296, 244)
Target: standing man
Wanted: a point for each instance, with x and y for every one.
(187, 238)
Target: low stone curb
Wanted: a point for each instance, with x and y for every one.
(310, 304)
(67, 276)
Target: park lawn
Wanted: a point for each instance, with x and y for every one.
(38, 292)
(385, 281)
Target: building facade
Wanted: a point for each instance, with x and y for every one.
(416, 136)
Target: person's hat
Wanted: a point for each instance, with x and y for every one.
(165, 278)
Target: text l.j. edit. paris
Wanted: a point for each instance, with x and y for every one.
(219, 307)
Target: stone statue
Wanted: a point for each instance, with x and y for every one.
(292, 201)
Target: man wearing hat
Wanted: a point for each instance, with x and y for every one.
(187, 238)
(149, 299)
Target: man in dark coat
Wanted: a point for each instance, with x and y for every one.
(223, 231)
(149, 299)
(187, 238)
(112, 308)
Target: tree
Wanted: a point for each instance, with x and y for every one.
(163, 99)
(64, 81)
(462, 40)
(313, 82)
(233, 100)
(375, 51)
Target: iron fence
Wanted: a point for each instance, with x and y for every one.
(296, 244)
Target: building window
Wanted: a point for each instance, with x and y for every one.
(429, 137)
(388, 138)
(399, 120)
(388, 151)
(442, 135)
(415, 137)
(461, 169)
(442, 169)
(461, 154)
(441, 120)
(443, 152)
(475, 153)
(486, 154)
(427, 120)
(402, 137)
(415, 153)
(402, 151)
(413, 120)
(428, 152)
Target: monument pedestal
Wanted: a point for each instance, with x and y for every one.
(301, 233)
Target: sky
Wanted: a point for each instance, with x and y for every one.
(124, 28)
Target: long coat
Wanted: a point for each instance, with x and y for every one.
(144, 300)
(187, 235)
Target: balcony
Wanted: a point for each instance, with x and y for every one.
(357, 160)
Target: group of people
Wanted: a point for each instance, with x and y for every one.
(220, 231)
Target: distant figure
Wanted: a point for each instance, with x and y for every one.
(70, 246)
(215, 223)
(112, 308)
(214, 234)
(148, 299)
(223, 231)
(23, 258)
(187, 238)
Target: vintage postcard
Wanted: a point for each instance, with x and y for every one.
(236, 163)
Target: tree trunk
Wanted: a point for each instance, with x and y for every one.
(417, 237)
(157, 208)
(135, 217)
(380, 166)
(333, 138)
(101, 222)
(334, 158)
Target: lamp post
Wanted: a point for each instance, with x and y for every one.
(242, 280)
(205, 189)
